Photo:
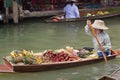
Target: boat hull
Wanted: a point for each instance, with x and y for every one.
(53, 66)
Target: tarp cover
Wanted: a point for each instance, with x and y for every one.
(8, 3)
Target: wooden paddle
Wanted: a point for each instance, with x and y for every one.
(101, 47)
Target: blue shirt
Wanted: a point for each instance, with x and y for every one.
(71, 11)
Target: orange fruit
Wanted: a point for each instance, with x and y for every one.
(55, 20)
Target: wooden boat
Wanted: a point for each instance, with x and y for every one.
(10, 67)
(83, 18)
(114, 76)
(106, 78)
(87, 14)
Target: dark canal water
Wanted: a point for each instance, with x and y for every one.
(38, 36)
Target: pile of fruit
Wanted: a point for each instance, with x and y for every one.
(22, 56)
(48, 56)
(62, 55)
(97, 13)
(87, 53)
(102, 12)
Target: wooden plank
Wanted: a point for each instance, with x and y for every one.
(6, 17)
(15, 12)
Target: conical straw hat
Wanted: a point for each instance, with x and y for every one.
(99, 24)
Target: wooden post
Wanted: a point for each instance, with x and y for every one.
(15, 11)
(21, 14)
(6, 16)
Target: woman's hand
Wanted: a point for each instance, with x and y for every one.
(102, 48)
(88, 22)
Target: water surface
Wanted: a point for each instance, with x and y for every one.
(38, 36)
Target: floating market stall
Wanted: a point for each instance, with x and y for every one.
(27, 61)
(87, 14)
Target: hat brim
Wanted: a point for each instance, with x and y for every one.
(99, 27)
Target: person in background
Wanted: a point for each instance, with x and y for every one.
(103, 37)
(71, 10)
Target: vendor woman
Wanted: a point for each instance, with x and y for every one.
(103, 37)
(71, 10)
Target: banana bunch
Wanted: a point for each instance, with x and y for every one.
(100, 13)
(15, 53)
(28, 54)
(22, 56)
(12, 54)
(93, 54)
(39, 59)
(106, 12)
(21, 53)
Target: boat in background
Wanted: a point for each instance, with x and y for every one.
(87, 14)
(10, 67)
